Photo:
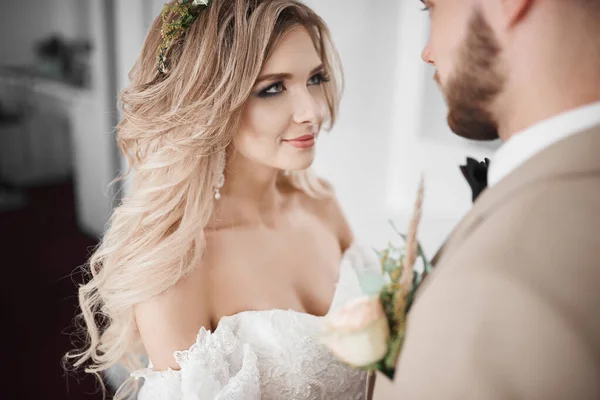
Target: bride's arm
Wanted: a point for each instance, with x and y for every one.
(171, 321)
(188, 361)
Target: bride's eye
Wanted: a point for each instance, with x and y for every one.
(318, 79)
(272, 90)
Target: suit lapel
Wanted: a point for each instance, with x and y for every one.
(570, 157)
(574, 156)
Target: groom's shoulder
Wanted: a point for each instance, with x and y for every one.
(547, 234)
(525, 279)
(538, 233)
(551, 208)
(547, 218)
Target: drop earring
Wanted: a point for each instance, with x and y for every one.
(220, 179)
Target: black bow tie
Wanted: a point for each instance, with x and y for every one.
(475, 172)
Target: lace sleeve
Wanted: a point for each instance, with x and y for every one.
(216, 367)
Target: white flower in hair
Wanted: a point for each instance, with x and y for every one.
(200, 2)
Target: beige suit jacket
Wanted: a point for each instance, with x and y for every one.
(513, 309)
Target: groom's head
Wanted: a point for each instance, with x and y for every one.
(486, 52)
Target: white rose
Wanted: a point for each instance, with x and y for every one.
(358, 333)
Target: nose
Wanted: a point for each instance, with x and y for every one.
(307, 109)
(427, 55)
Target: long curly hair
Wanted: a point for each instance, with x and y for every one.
(174, 131)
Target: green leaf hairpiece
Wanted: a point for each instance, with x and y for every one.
(177, 17)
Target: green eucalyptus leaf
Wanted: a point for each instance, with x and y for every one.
(371, 283)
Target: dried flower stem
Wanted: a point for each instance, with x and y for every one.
(412, 244)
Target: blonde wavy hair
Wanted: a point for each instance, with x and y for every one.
(175, 130)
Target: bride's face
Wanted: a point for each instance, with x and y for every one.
(282, 118)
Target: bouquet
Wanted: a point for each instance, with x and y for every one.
(368, 332)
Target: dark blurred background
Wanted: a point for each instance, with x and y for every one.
(57, 90)
(62, 64)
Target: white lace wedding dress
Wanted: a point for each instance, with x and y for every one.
(272, 354)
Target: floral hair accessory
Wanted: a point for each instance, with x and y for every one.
(176, 20)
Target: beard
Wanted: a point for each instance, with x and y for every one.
(475, 84)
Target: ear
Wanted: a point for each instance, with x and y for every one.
(515, 10)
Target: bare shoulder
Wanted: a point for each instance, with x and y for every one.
(328, 209)
(171, 321)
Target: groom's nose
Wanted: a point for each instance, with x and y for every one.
(427, 55)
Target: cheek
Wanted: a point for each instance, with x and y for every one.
(443, 57)
(447, 34)
(263, 125)
(265, 118)
(318, 93)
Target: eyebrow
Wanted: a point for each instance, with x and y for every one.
(283, 76)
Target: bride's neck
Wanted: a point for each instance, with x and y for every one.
(250, 191)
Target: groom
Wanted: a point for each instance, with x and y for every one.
(513, 310)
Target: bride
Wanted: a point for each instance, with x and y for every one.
(222, 261)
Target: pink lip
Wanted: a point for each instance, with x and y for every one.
(302, 142)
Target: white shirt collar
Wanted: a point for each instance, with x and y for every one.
(524, 145)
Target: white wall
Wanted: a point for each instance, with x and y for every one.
(132, 21)
(92, 121)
